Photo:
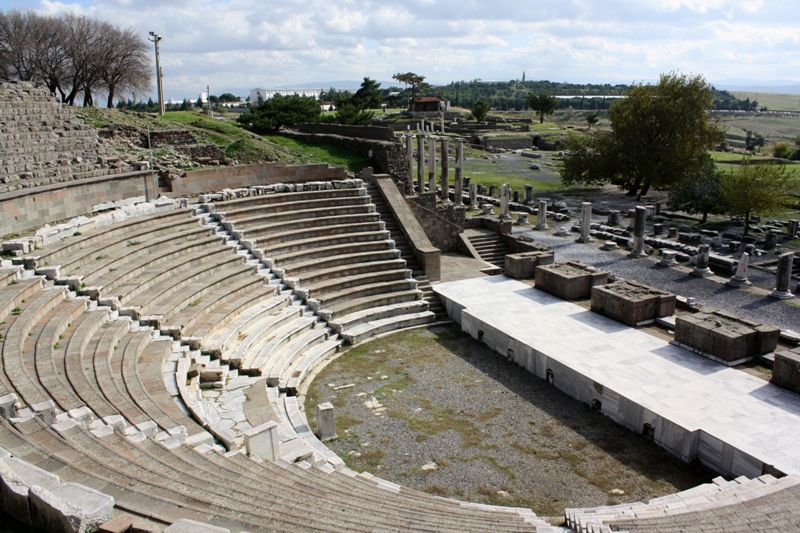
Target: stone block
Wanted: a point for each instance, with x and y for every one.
(71, 508)
(185, 525)
(262, 441)
(8, 405)
(786, 370)
(16, 478)
(632, 303)
(523, 265)
(570, 280)
(326, 421)
(725, 337)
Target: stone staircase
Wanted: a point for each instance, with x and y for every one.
(406, 252)
(490, 245)
(44, 142)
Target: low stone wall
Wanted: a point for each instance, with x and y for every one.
(442, 224)
(632, 303)
(166, 138)
(387, 157)
(216, 179)
(27, 209)
(203, 153)
(375, 133)
(569, 280)
(508, 144)
(725, 337)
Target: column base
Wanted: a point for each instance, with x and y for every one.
(584, 239)
(542, 226)
(701, 272)
(738, 282)
(781, 295)
(635, 254)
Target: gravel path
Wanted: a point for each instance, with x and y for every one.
(435, 410)
(784, 314)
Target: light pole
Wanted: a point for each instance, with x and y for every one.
(155, 39)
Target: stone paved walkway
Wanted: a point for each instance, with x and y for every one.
(732, 420)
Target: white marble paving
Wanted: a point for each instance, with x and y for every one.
(734, 422)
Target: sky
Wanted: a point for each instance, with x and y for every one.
(237, 45)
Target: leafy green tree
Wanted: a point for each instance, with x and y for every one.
(350, 113)
(369, 96)
(229, 97)
(281, 111)
(480, 110)
(659, 135)
(761, 188)
(700, 192)
(592, 118)
(214, 99)
(754, 141)
(542, 103)
(415, 82)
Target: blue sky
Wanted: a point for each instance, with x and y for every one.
(242, 44)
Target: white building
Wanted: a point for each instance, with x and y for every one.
(266, 94)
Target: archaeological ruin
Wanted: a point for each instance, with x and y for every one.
(159, 334)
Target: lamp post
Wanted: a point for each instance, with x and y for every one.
(155, 39)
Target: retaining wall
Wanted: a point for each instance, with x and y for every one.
(376, 133)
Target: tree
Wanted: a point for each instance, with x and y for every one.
(761, 188)
(592, 118)
(123, 61)
(480, 110)
(700, 192)
(415, 82)
(542, 103)
(369, 96)
(280, 111)
(352, 114)
(782, 150)
(228, 97)
(659, 135)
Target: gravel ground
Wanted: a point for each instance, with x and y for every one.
(784, 314)
(435, 410)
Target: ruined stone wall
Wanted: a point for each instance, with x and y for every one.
(442, 224)
(203, 153)
(376, 133)
(43, 142)
(508, 144)
(216, 179)
(168, 138)
(26, 209)
(387, 157)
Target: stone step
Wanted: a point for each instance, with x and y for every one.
(257, 231)
(288, 260)
(380, 299)
(274, 240)
(321, 289)
(233, 215)
(292, 378)
(284, 249)
(346, 265)
(258, 332)
(376, 327)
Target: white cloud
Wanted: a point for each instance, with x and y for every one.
(243, 43)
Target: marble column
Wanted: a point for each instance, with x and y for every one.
(459, 172)
(420, 163)
(613, 217)
(740, 278)
(528, 195)
(445, 181)
(410, 161)
(504, 194)
(522, 219)
(668, 258)
(473, 197)
(783, 277)
(586, 222)
(431, 165)
(541, 216)
(701, 269)
(639, 218)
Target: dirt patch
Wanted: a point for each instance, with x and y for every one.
(435, 410)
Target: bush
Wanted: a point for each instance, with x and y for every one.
(281, 111)
(782, 150)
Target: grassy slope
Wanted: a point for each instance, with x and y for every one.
(774, 102)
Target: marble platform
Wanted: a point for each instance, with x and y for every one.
(733, 422)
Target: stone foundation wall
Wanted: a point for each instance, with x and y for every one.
(442, 224)
(216, 179)
(508, 144)
(632, 303)
(204, 153)
(569, 280)
(725, 337)
(167, 138)
(786, 370)
(376, 133)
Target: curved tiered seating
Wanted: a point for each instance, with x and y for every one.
(333, 249)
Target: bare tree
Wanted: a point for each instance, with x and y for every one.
(17, 51)
(123, 62)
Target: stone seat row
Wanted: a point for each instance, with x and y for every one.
(711, 498)
(331, 247)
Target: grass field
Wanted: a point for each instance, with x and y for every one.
(322, 153)
(773, 101)
(773, 128)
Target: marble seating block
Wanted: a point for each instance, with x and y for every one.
(632, 303)
(262, 441)
(570, 280)
(725, 337)
(786, 370)
(523, 265)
